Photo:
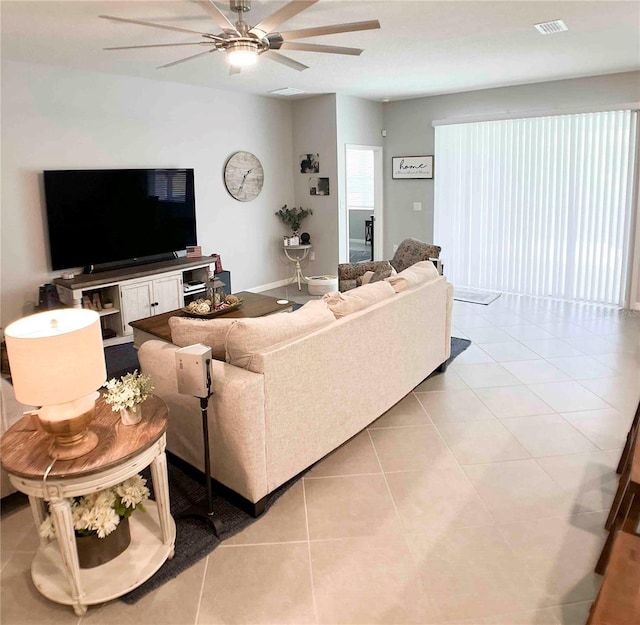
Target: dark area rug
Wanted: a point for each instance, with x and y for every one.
(121, 359)
(457, 347)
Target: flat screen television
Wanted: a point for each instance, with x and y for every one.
(118, 216)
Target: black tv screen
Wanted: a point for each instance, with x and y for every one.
(112, 215)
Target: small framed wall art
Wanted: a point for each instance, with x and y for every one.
(318, 186)
(412, 167)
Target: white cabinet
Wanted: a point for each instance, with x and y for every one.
(145, 298)
(134, 293)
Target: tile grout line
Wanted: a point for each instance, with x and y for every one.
(204, 578)
(306, 519)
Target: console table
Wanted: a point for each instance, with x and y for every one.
(123, 451)
(301, 252)
(137, 292)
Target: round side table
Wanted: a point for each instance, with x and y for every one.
(302, 251)
(122, 452)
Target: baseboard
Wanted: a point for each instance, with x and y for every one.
(268, 287)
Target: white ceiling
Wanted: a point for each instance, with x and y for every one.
(423, 47)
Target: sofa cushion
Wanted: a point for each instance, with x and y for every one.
(423, 271)
(342, 304)
(211, 332)
(246, 337)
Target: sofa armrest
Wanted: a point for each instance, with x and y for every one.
(235, 413)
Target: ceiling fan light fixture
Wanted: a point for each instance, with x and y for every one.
(242, 54)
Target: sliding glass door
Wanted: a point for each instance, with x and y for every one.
(540, 206)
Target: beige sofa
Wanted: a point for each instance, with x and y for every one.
(306, 381)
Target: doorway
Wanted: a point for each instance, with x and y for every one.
(363, 164)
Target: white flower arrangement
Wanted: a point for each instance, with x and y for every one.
(100, 513)
(129, 391)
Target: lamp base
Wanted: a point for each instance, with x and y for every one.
(64, 449)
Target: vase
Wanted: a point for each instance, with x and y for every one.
(94, 551)
(129, 417)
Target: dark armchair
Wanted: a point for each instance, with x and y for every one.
(409, 252)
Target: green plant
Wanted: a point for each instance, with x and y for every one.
(293, 217)
(100, 513)
(107, 299)
(129, 391)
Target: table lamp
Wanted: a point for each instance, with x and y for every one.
(57, 363)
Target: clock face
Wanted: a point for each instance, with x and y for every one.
(244, 176)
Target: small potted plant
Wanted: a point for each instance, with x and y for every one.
(293, 217)
(126, 395)
(107, 301)
(101, 521)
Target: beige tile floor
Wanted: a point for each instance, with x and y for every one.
(479, 499)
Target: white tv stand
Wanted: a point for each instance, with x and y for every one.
(136, 292)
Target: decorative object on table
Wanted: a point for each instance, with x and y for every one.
(48, 297)
(96, 302)
(57, 362)
(215, 293)
(101, 521)
(318, 186)
(305, 238)
(412, 167)
(126, 394)
(218, 263)
(107, 301)
(205, 309)
(310, 163)
(194, 251)
(243, 43)
(243, 176)
(293, 217)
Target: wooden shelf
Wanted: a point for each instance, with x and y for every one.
(144, 556)
(108, 311)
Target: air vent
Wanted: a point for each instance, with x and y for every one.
(548, 28)
(286, 91)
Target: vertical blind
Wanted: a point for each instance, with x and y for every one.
(539, 206)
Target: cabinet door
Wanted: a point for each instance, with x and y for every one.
(136, 303)
(168, 294)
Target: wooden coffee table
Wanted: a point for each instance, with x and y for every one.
(253, 305)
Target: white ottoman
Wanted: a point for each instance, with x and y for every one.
(319, 285)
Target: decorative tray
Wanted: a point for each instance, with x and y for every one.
(213, 313)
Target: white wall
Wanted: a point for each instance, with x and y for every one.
(410, 132)
(314, 132)
(54, 118)
(359, 122)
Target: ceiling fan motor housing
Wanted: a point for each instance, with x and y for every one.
(238, 6)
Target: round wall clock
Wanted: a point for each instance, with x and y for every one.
(244, 176)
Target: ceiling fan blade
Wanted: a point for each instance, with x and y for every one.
(188, 58)
(218, 16)
(312, 47)
(272, 22)
(163, 45)
(153, 25)
(330, 30)
(285, 60)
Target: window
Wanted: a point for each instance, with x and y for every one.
(539, 206)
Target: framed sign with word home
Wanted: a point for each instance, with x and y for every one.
(409, 167)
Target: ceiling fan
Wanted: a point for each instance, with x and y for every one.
(243, 43)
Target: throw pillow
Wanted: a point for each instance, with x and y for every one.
(342, 304)
(374, 276)
(246, 337)
(423, 271)
(211, 332)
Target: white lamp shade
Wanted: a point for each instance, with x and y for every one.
(56, 356)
